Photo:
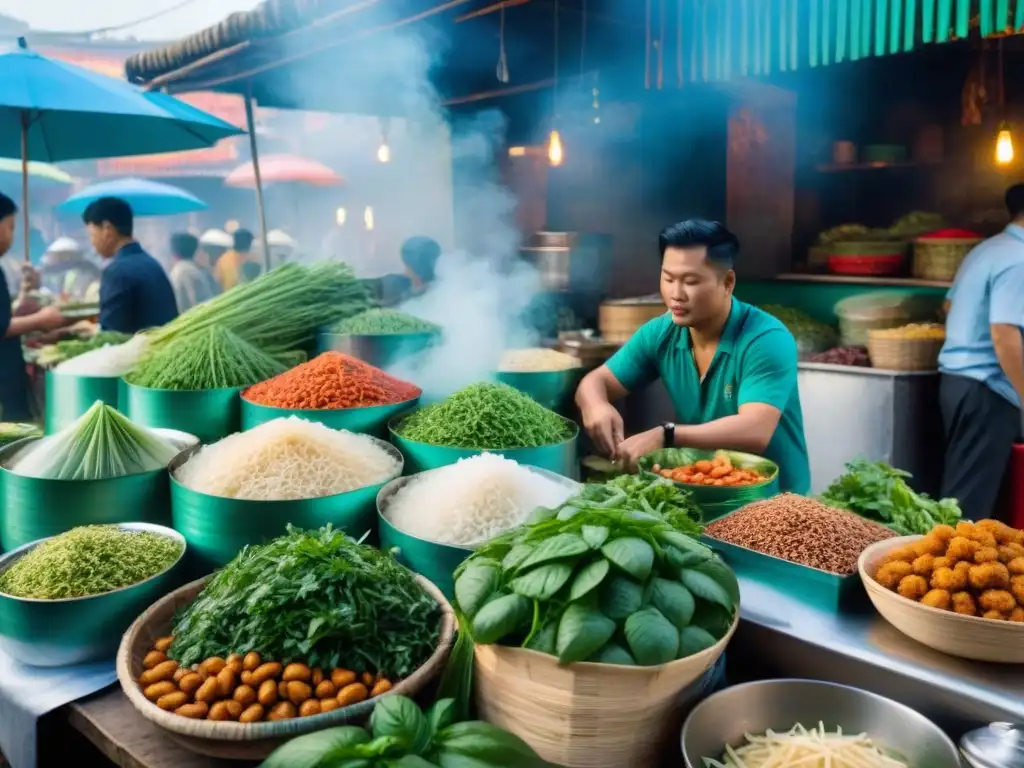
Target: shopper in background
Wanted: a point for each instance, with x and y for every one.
(228, 269)
(420, 256)
(65, 272)
(982, 365)
(213, 244)
(191, 283)
(14, 401)
(135, 293)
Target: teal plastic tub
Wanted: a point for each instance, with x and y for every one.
(209, 414)
(68, 397)
(552, 389)
(371, 420)
(559, 458)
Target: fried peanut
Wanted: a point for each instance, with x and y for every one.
(163, 643)
(212, 666)
(267, 693)
(251, 661)
(309, 708)
(283, 710)
(326, 690)
(342, 677)
(263, 672)
(191, 683)
(226, 710)
(252, 714)
(226, 682)
(328, 705)
(244, 695)
(156, 690)
(298, 692)
(381, 686)
(208, 691)
(368, 679)
(296, 671)
(352, 694)
(153, 658)
(163, 671)
(171, 701)
(317, 676)
(197, 711)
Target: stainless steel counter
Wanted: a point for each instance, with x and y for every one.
(784, 637)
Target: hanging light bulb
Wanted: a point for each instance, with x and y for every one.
(368, 218)
(340, 217)
(383, 150)
(555, 154)
(1004, 146)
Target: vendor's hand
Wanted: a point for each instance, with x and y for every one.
(634, 448)
(604, 424)
(50, 318)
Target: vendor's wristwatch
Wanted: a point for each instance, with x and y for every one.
(668, 430)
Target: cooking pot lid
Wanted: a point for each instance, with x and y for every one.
(999, 745)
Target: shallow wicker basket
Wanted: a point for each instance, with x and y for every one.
(939, 259)
(968, 637)
(238, 741)
(903, 354)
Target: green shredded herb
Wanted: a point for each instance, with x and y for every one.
(62, 351)
(89, 561)
(379, 322)
(486, 416)
(318, 597)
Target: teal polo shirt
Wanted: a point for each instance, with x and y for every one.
(755, 363)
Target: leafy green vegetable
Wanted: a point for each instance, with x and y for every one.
(675, 601)
(613, 653)
(476, 587)
(11, 432)
(52, 354)
(581, 632)
(706, 588)
(651, 637)
(543, 582)
(632, 555)
(619, 597)
(588, 578)
(500, 617)
(695, 639)
(318, 597)
(879, 492)
(379, 322)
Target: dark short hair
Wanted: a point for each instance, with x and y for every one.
(184, 245)
(243, 240)
(722, 245)
(420, 254)
(7, 206)
(1015, 200)
(110, 210)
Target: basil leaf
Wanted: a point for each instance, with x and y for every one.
(474, 588)
(712, 618)
(652, 638)
(685, 543)
(723, 576)
(706, 588)
(488, 744)
(399, 717)
(501, 617)
(613, 653)
(410, 761)
(544, 639)
(581, 631)
(557, 547)
(515, 556)
(693, 640)
(595, 535)
(632, 555)
(678, 559)
(440, 715)
(315, 749)
(674, 601)
(589, 578)
(619, 597)
(542, 582)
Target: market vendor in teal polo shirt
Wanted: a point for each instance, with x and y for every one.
(729, 368)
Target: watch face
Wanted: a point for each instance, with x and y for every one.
(668, 425)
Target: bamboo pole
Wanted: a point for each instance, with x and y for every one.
(250, 124)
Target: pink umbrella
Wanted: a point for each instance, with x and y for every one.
(284, 169)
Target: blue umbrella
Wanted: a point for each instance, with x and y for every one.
(52, 111)
(147, 198)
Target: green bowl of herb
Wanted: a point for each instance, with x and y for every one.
(68, 599)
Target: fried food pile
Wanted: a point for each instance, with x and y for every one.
(976, 569)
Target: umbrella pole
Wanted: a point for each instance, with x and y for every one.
(250, 121)
(24, 184)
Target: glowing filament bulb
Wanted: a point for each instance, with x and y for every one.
(383, 152)
(368, 218)
(555, 148)
(1004, 147)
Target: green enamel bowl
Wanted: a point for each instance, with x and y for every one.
(35, 508)
(68, 397)
(432, 560)
(371, 420)
(552, 389)
(58, 633)
(209, 414)
(216, 528)
(559, 458)
(380, 350)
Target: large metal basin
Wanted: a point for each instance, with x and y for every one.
(379, 350)
(209, 414)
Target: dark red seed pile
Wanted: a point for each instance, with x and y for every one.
(801, 530)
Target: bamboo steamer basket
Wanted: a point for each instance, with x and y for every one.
(588, 715)
(903, 354)
(618, 320)
(968, 637)
(253, 741)
(939, 259)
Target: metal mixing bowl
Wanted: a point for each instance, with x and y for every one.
(779, 704)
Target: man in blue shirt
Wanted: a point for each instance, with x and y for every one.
(982, 365)
(135, 293)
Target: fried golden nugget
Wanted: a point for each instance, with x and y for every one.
(965, 528)
(989, 576)
(913, 587)
(924, 565)
(1017, 588)
(905, 554)
(930, 545)
(964, 603)
(1002, 532)
(994, 615)
(944, 532)
(996, 600)
(1016, 566)
(1017, 614)
(948, 579)
(963, 567)
(986, 555)
(962, 548)
(943, 562)
(937, 598)
(1008, 552)
(890, 574)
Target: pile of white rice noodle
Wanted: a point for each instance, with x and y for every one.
(287, 459)
(536, 359)
(473, 500)
(109, 361)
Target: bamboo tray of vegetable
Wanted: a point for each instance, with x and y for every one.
(230, 738)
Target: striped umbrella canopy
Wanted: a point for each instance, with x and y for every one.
(284, 169)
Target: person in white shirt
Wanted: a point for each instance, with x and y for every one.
(191, 283)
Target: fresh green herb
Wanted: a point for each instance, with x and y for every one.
(52, 354)
(210, 358)
(89, 561)
(606, 576)
(810, 334)
(486, 417)
(318, 597)
(380, 322)
(99, 444)
(879, 492)
(401, 735)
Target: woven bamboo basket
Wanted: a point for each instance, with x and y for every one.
(939, 259)
(968, 637)
(618, 320)
(589, 715)
(253, 741)
(903, 354)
